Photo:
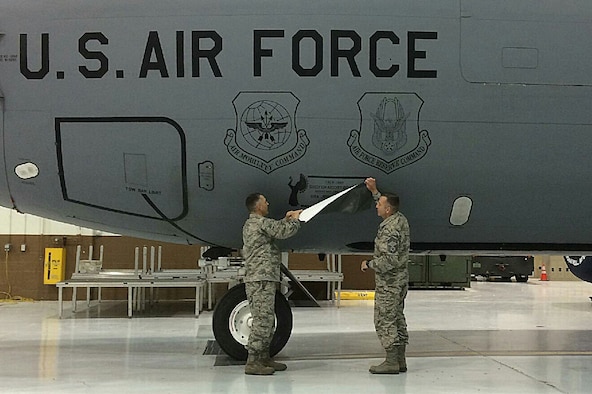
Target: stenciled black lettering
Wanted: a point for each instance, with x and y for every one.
(24, 57)
(258, 51)
(153, 47)
(180, 54)
(210, 54)
(348, 54)
(378, 72)
(93, 55)
(318, 55)
(413, 54)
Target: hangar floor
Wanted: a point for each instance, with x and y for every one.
(491, 338)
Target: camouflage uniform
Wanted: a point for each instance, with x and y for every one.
(391, 255)
(262, 263)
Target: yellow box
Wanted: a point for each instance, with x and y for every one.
(54, 266)
(356, 294)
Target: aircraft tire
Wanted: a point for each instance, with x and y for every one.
(229, 323)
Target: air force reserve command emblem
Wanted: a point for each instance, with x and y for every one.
(266, 136)
(389, 137)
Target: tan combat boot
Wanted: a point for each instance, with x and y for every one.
(254, 366)
(388, 366)
(268, 362)
(401, 359)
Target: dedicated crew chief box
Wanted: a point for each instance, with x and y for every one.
(439, 271)
(503, 267)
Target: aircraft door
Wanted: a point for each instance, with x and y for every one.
(519, 41)
(140, 162)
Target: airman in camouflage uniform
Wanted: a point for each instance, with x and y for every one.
(262, 262)
(391, 255)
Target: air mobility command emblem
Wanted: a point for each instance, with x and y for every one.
(389, 137)
(266, 136)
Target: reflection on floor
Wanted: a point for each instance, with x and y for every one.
(492, 338)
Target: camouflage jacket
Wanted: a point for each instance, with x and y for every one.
(260, 250)
(391, 245)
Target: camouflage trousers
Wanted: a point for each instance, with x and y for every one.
(389, 320)
(261, 297)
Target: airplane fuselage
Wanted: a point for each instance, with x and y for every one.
(156, 120)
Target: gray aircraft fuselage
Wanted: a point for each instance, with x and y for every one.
(156, 119)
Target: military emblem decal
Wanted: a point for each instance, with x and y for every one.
(266, 136)
(389, 137)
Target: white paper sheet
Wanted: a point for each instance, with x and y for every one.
(312, 211)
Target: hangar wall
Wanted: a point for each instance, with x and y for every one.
(21, 272)
(22, 266)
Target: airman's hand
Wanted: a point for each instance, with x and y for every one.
(293, 215)
(364, 266)
(371, 185)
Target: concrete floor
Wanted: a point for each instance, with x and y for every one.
(491, 338)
